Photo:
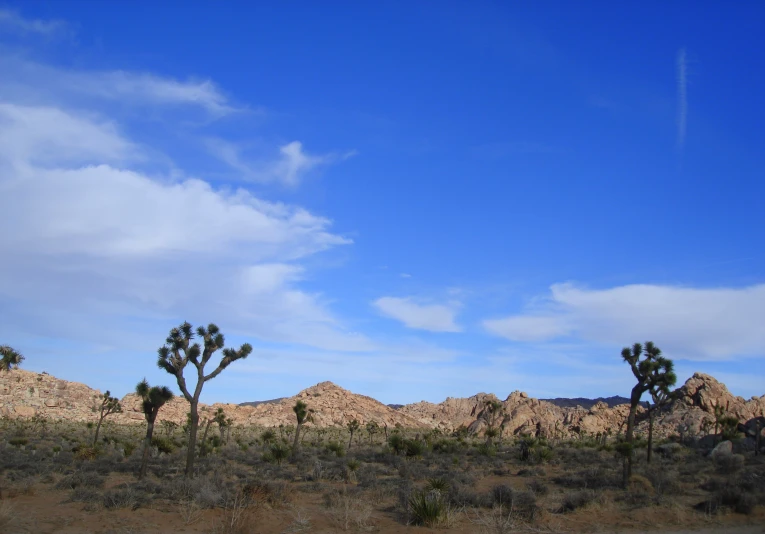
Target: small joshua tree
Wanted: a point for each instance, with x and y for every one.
(109, 405)
(372, 429)
(153, 397)
(9, 358)
(178, 352)
(223, 423)
(353, 425)
(494, 414)
(653, 373)
(303, 415)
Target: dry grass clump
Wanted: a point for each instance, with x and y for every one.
(9, 516)
(349, 510)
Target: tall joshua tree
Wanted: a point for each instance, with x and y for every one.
(654, 373)
(154, 397)
(178, 352)
(108, 406)
(303, 415)
(9, 358)
(353, 425)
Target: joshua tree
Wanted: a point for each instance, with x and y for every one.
(223, 423)
(303, 415)
(109, 405)
(10, 358)
(353, 426)
(653, 373)
(493, 414)
(176, 354)
(372, 429)
(153, 399)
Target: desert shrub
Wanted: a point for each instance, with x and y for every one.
(163, 444)
(446, 446)
(124, 497)
(78, 479)
(348, 510)
(85, 494)
(663, 479)
(18, 441)
(576, 500)
(727, 495)
(396, 443)
(413, 448)
(429, 508)
(537, 487)
(461, 495)
(521, 504)
(437, 484)
(731, 463)
(278, 453)
(273, 492)
(336, 448)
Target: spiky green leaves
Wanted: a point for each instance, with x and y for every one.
(302, 413)
(9, 358)
(154, 397)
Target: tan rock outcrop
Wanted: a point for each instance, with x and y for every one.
(25, 394)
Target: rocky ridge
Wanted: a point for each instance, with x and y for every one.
(24, 394)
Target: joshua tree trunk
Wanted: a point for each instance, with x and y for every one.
(98, 428)
(627, 466)
(191, 452)
(146, 448)
(296, 442)
(350, 441)
(650, 435)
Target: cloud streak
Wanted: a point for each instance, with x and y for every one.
(14, 21)
(682, 96)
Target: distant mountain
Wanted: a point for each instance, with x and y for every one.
(563, 402)
(255, 403)
(395, 406)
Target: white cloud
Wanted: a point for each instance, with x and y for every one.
(41, 135)
(31, 83)
(14, 21)
(688, 323)
(527, 328)
(433, 317)
(98, 245)
(288, 167)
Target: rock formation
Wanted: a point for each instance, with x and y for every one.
(26, 394)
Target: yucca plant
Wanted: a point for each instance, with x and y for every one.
(153, 397)
(178, 352)
(9, 358)
(428, 508)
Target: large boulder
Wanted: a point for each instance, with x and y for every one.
(724, 448)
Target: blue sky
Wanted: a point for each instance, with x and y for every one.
(413, 200)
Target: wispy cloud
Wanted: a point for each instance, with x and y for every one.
(13, 21)
(33, 82)
(419, 315)
(682, 96)
(689, 323)
(288, 167)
